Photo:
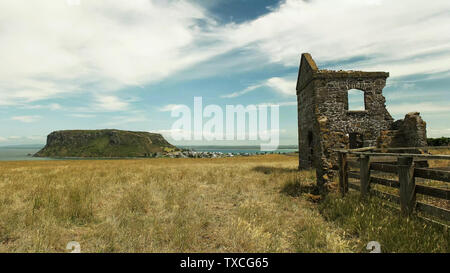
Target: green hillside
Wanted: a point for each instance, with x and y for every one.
(104, 143)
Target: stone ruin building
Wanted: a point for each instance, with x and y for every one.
(325, 121)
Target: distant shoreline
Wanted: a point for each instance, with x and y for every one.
(38, 146)
(24, 152)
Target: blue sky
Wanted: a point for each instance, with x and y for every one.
(124, 64)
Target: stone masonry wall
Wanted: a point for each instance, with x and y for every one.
(332, 103)
(307, 141)
(408, 132)
(337, 122)
(323, 116)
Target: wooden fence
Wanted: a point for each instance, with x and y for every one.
(406, 167)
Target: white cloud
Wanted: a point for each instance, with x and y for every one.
(109, 103)
(170, 107)
(125, 120)
(284, 103)
(438, 132)
(242, 92)
(50, 48)
(37, 138)
(82, 115)
(26, 119)
(22, 139)
(404, 36)
(422, 107)
(281, 85)
(408, 95)
(52, 106)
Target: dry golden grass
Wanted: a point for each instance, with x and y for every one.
(161, 205)
(440, 163)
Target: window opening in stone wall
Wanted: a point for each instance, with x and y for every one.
(355, 100)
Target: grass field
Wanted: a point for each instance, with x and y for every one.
(241, 204)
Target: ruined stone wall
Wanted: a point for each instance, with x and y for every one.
(332, 103)
(308, 141)
(307, 128)
(414, 130)
(324, 118)
(324, 121)
(408, 132)
(336, 122)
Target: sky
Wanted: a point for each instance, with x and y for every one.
(68, 64)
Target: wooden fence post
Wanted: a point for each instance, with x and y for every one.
(343, 173)
(407, 185)
(364, 174)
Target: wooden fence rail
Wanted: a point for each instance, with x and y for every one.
(404, 168)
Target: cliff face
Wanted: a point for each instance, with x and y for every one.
(104, 143)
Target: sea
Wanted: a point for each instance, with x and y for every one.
(25, 152)
(20, 152)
